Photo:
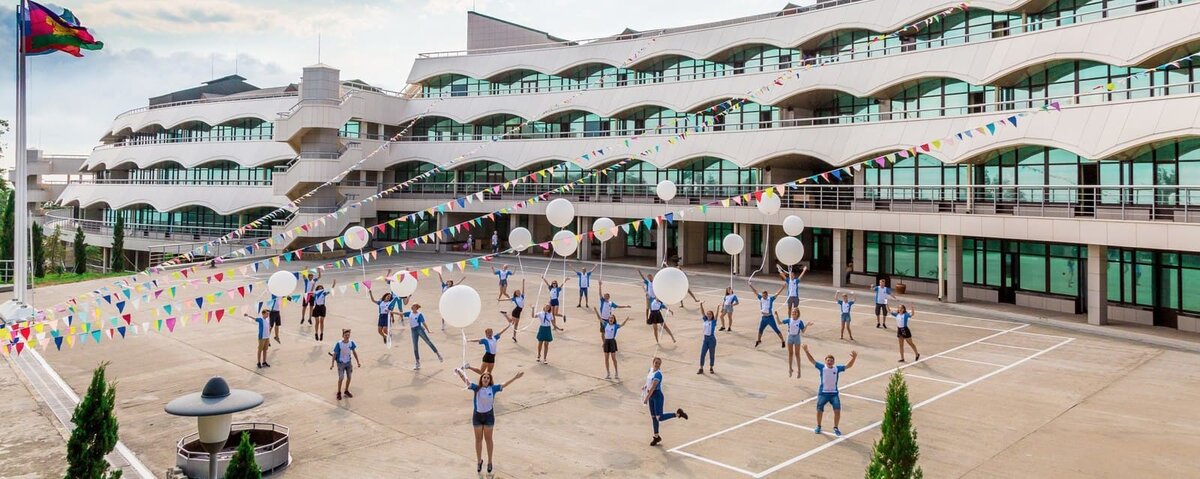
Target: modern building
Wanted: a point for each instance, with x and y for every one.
(1092, 210)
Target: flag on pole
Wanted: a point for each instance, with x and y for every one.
(46, 32)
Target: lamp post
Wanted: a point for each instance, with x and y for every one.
(213, 409)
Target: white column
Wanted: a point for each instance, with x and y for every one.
(954, 255)
(839, 258)
(660, 243)
(1097, 284)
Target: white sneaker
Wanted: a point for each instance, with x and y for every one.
(417, 367)
(440, 360)
(617, 377)
(607, 376)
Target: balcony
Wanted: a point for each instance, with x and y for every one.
(212, 111)
(189, 154)
(222, 196)
(166, 240)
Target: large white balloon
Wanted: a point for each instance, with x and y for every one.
(768, 205)
(665, 190)
(565, 243)
(403, 284)
(733, 243)
(605, 229)
(460, 306)
(670, 285)
(520, 239)
(356, 237)
(793, 225)
(560, 212)
(281, 283)
(789, 250)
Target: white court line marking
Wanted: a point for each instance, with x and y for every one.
(1010, 346)
(864, 398)
(678, 449)
(785, 423)
(927, 378)
(715, 463)
(916, 406)
(985, 363)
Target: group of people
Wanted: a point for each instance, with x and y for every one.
(392, 309)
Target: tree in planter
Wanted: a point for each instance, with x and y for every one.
(118, 245)
(243, 465)
(6, 224)
(80, 251)
(56, 253)
(95, 433)
(895, 453)
(39, 250)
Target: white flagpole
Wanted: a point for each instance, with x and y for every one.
(21, 184)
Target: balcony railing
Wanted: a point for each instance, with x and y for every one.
(154, 231)
(1140, 203)
(1086, 98)
(873, 50)
(211, 100)
(172, 181)
(169, 141)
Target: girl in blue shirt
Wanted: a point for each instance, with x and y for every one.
(546, 327)
(491, 346)
(845, 301)
(317, 302)
(611, 327)
(903, 315)
(652, 396)
(518, 301)
(483, 415)
(388, 305)
(727, 303)
(555, 297)
(503, 274)
(420, 331)
(708, 347)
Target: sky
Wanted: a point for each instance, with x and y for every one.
(152, 47)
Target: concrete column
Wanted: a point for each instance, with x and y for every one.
(769, 237)
(743, 259)
(954, 277)
(839, 258)
(859, 252)
(660, 243)
(585, 245)
(1097, 284)
(615, 248)
(692, 239)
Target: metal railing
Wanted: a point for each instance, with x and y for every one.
(346, 95)
(872, 50)
(1143, 203)
(150, 230)
(209, 100)
(171, 181)
(1086, 98)
(166, 141)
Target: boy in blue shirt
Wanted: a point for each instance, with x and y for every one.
(585, 280)
(264, 338)
(827, 391)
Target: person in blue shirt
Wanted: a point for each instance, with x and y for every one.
(273, 306)
(648, 284)
(317, 302)
(556, 291)
(656, 318)
(766, 306)
(903, 315)
(518, 301)
(610, 328)
(503, 273)
(419, 331)
(795, 328)
(264, 338)
(708, 322)
(340, 357)
(483, 415)
(585, 280)
(447, 285)
(652, 395)
(791, 281)
(845, 301)
(882, 294)
(607, 309)
(491, 346)
(727, 303)
(827, 391)
(387, 306)
(306, 304)
(546, 327)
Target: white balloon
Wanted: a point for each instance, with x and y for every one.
(665, 190)
(281, 283)
(403, 284)
(605, 229)
(793, 225)
(355, 237)
(520, 239)
(565, 243)
(670, 285)
(769, 205)
(460, 306)
(733, 243)
(560, 212)
(789, 250)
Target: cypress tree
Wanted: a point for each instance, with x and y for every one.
(895, 453)
(38, 245)
(118, 244)
(6, 222)
(80, 251)
(95, 433)
(56, 254)
(243, 465)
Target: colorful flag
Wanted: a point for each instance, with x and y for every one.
(46, 32)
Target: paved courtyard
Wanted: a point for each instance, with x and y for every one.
(994, 398)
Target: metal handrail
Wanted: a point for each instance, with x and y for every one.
(346, 95)
(1086, 98)
(208, 100)
(105, 227)
(237, 427)
(871, 51)
(120, 144)
(169, 181)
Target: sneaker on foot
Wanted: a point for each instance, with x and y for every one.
(607, 376)
(617, 377)
(417, 367)
(700, 371)
(339, 395)
(817, 430)
(347, 393)
(837, 432)
(710, 371)
(918, 358)
(655, 441)
(266, 364)
(680, 413)
(440, 360)
(901, 360)
(277, 341)
(782, 344)
(756, 343)
(259, 365)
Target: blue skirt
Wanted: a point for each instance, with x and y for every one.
(545, 334)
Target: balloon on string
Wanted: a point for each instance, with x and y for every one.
(281, 283)
(560, 212)
(605, 229)
(793, 225)
(565, 243)
(520, 239)
(355, 237)
(789, 250)
(403, 284)
(733, 243)
(670, 285)
(768, 205)
(665, 190)
(460, 306)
